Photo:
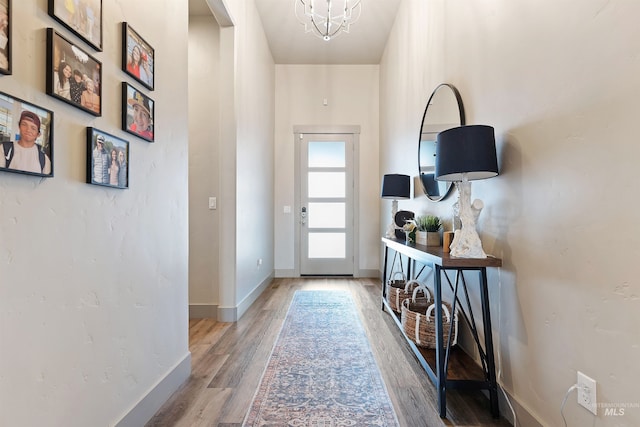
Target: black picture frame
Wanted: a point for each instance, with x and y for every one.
(5, 37)
(19, 122)
(137, 113)
(102, 148)
(82, 18)
(80, 70)
(133, 45)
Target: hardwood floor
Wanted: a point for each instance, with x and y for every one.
(228, 360)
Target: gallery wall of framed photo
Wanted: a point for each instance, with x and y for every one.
(85, 240)
(74, 76)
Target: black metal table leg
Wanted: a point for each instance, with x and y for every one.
(384, 276)
(488, 344)
(441, 376)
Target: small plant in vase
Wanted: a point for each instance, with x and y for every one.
(428, 230)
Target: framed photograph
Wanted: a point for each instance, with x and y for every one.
(26, 136)
(107, 159)
(137, 113)
(82, 17)
(5, 36)
(73, 76)
(137, 57)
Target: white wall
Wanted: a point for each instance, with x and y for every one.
(254, 97)
(204, 164)
(232, 99)
(558, 81)
(352, 96)
(93, 288)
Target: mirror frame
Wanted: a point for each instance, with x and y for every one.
(442, 86)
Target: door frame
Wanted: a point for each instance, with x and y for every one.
(353, 130)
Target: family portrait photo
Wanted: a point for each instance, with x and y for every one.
(137, 57)
(26, 136)
(5, 36)
(137, 113)
(73, 76)
(82, 17)
(107, 159)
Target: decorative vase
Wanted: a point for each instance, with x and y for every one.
(433, 238)
(421, 238)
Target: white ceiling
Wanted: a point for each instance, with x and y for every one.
(290, 45)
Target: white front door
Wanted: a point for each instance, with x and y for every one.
(326, 212)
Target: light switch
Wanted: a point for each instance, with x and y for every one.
(286, 209)
(213, 203)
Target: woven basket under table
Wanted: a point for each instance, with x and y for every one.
(418, 323)
(398, 290)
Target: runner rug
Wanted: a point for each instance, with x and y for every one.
(321, 372)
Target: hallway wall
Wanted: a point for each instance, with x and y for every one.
(93, 280)
(559, 83)
(232, 158)
(204, 165)
(352, 97)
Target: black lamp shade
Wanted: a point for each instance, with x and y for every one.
(469, 150)
(395, 186)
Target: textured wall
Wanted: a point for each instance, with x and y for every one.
(93, 281)
(559, 83)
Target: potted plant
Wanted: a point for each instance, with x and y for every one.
(428, 230)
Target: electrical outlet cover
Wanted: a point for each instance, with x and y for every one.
(587, 393)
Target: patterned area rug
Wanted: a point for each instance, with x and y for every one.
(321, 372)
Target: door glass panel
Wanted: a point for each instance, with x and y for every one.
(327, 245)
(326, 184)
(324, 154)
(327, 215)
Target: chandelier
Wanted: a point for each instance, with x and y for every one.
(327, 18)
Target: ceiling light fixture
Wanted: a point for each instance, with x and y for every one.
(327, 18)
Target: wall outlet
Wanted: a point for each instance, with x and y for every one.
(587, 393)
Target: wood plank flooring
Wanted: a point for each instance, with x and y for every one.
(228, 360)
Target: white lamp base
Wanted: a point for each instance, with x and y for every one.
(466, 242)
(391, 229)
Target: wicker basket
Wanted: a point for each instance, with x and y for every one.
(399, 290)
(396, 283)
(418, 323)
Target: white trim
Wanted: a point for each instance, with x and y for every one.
(247, 301)
(371, 273)
(150, 403)
(202, 311)
(227, 314)
(289, 272)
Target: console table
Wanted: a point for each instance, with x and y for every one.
(442, 263)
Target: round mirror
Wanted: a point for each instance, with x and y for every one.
(443, 111)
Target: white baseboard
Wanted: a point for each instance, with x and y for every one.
(202, 311)
(244, 305)
(232, 314)
(369, 274)
(286, 273)
(149, 404)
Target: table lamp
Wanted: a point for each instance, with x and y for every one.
(464, 154)
(395, 186)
